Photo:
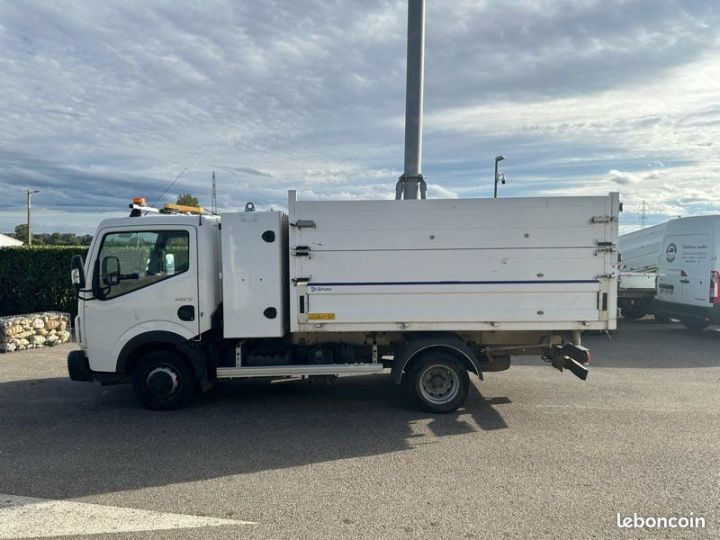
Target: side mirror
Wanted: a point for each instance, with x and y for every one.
(111, 270)
(77, 272)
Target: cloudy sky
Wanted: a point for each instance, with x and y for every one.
(102, 101)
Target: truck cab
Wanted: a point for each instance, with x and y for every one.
(149, 281)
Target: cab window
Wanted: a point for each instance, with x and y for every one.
(131, 260)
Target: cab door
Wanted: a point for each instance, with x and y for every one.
(145, 279)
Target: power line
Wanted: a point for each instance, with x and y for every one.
(168, 188)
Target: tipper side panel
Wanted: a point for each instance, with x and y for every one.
(465, 264)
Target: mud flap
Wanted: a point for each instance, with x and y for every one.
(572, 357)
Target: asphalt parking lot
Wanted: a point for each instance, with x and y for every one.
(535, 453)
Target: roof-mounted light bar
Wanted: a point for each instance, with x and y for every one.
(139, 207)
(169, 208)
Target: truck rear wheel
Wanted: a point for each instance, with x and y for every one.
(439, 381)
(163, 381)
(634, 312)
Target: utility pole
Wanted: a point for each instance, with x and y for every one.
(412, 179)
(30, 193)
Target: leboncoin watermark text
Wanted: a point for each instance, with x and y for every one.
(660, 522)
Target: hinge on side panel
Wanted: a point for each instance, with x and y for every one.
(602, 219)
(304, 224)
(301, 280)
(301, 251)
(605, 276)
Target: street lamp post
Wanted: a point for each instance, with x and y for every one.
(30, 193)
(498, 177)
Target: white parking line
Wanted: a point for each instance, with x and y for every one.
(27, 517)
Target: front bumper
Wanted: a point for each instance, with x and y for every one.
(671, 309)
(79, 367)
(79, 370)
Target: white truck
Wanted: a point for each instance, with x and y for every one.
(639, 255)
(429, 289)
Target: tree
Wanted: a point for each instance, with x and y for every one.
(186, 199)
(21, 232)
(52, 239)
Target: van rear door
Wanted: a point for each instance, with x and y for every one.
(696, 259)
(685, 269)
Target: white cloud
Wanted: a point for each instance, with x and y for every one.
(105, 100)
(623, 178)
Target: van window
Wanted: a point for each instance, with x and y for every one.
(132, 260)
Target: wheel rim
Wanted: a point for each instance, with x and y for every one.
(162, 382)
(439, 384)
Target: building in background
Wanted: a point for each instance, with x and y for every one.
(8, 241)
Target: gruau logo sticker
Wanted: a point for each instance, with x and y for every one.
(670, 252)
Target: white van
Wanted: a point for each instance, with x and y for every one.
(689, 272)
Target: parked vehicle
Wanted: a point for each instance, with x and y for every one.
(429, 289)
(639, 254)
(636, 293)
(689, 272)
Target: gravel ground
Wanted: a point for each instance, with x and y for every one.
(534, 454)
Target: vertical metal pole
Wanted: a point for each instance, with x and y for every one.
(213, 201)
(29, 221)
(412, 180)
(496, 179)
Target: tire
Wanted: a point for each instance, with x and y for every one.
(695, 323)
(634, 312)
(439, 382)
(163, 381)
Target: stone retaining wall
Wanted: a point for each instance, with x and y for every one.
(33, 330)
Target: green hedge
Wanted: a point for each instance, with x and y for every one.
(37, 279)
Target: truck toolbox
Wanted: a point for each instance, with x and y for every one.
(254, 267)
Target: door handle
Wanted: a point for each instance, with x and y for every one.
(186, 313)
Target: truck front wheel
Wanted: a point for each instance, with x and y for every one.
(439, 381)
(163, 381)
(695, 323)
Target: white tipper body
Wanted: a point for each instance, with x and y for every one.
(540, 263)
